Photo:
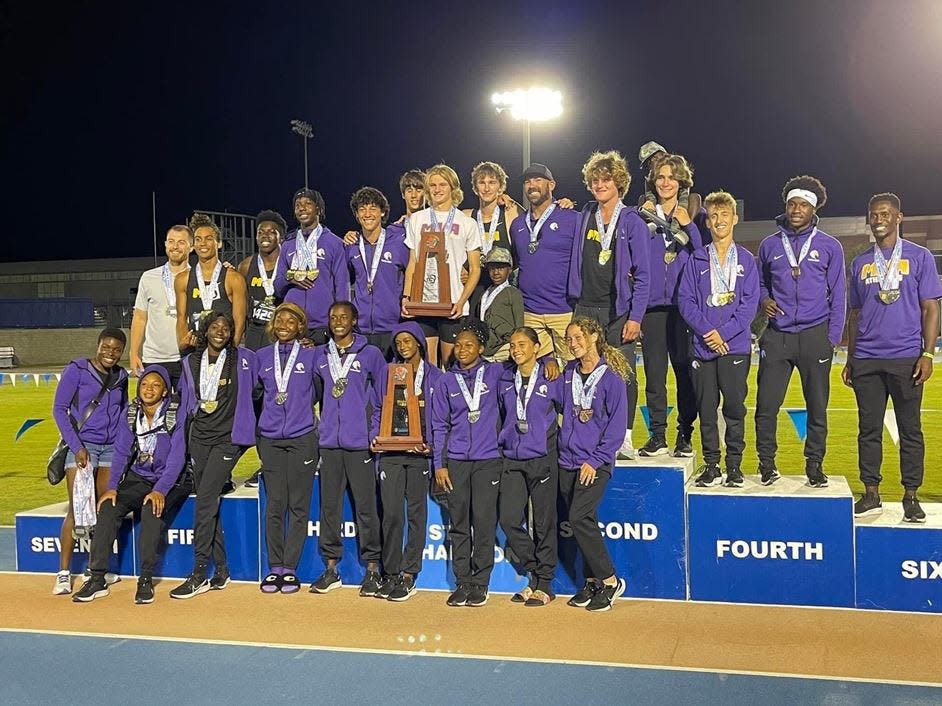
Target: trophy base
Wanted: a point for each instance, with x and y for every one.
(397, 443)
(428, 309)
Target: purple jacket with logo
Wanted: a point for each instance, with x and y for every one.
(295, 417)
(732, 321)
(430, 378)
(545, 403)
(596, 441)
(332, 283)
(665, 277)
(379, 310)
(103, 424)
(544, 275)
(245, 368)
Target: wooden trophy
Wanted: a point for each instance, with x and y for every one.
(400, 425)
(432, 245)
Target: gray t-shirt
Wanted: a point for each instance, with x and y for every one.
(160, 336)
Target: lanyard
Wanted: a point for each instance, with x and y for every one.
(790, 254)
(283, 375)
(888, 273)
(606, 233)
(492, 232)
(306, 254)
(338, 371)
(523, 401)
(377, 256)
(584, 393)
(472, 400)
(206, 290)
(417, 380)
(268, 284)
(146, 437)
(535, 230)
(448, 221)
(723, 279)
(489, 296)
(209, 380)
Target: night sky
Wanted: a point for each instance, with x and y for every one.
(104, 102)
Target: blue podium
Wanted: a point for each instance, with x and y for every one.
(786, 543)
(899, 565)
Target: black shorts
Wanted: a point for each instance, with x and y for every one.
(440, 327)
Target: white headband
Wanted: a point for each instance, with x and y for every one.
(802, 194)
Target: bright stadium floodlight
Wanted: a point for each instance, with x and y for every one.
(532, 105)
(305, 130)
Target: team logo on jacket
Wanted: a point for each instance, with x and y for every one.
(814, 256)
(554, 226)
(320, 252)
(541, 391)
(695, 365)
(387, 256)
(299, 368)
(356, 366)
(245, 364)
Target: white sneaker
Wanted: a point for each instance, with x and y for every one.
(63, 584)
(627, 451)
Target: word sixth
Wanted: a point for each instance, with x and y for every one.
(765, 549)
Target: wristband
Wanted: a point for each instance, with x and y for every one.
(927, 354)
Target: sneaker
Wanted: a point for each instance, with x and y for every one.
(734, 478)
(709, 474)
(683, 449)
(477, 596)
(227, 487)
(63, 584)
(584, 596)
(253, 480)
(111, 578)
(460, 595)
(90, 590)
(869, 504)
(145, 590)
(627, 451)
(768, 473)
(371, 583)
(403, 590)
(912, 511)
(816, 477)
(220, 578)
(605, 596)
(327, 581)
(194, 585)
(386, 587)
(656, 446)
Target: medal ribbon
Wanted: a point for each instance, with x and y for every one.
(147, 442)
(305, 257)
(268, 283)
(790, 254)
(167, 278)
(206, 290)
(535, 230)
(338, 371)
(488, 298)
(525, 400)
(283, 375)
(492, 232)
(209, 381)
(417, 380)
(723, 279)
(606, 233)
(668, 240)
(472, 400)
(448, 221)
(584, 393)
(377, 255)
(888, 274)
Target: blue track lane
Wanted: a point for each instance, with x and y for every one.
(40, 669)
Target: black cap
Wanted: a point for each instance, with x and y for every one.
(305, 193)
(537, 170)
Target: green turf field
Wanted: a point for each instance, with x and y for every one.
(23, 482)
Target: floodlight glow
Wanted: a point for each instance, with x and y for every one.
(533, 104)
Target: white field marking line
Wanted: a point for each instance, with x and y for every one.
(491, 658)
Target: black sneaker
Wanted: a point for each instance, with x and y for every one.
(768, 473)
(403, 590)
(220, 578)
(734, 478)
(94, 588)
(605, 596)
(584, 596)
(477, 596)
(816, 477)
(656, 446)
(386, 587)
(371, 583)
(708, 475)
(253, 480)
(912, 510)
(683, 449)
(145, 590)
(194, 585)
(460, 595)
(327, 581)
(869, 504)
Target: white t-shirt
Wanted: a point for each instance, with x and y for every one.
(160, 335)
(465, 236)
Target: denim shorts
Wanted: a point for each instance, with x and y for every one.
(98, 455)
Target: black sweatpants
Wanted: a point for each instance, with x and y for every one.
(663, 330)
(404, 485)
(340, 469)
(131, 493)
(583, 503)
(613, 328)
(779, 354)
(472, 507)
(874, 380)
(728, 376)
(212, 468)
(533, 480)
(288, 467)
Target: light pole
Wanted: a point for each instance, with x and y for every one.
(532, 105)
(306, 132)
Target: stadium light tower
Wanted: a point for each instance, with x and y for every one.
(535, 104)
(306, 132)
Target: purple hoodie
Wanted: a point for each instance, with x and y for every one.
(453, 436)
(295, 417)
(544, 275)
(332, 284)
(596, 441)
(819, 295)
(665, 277)
(632, 261)
(351, 421)
(169, 455)
(245, 367)
(732, 321)
(430, 379)
(545, 403)
(102, 426)
(379, 310)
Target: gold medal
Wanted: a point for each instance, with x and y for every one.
(281, 398)
(312, 274)
(209, 406)
(369, 287)
(339, 388)
(145, 458)
(604, 256)
(888, 296)
(474, 416)
(726, 298)
(269, 300)
(669, 256)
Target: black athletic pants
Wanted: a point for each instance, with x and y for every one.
(340, 469)
(533, 480)
(874, 380)
(665, 336)
(613, 330)
(131, 493)
(288, 467)
(212, 468)
(403, 485)
(779, 354)
(472, 507)
(583, 503)
(728, 376)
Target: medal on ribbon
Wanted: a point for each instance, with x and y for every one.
(209, 380)
(802, 254)
(372, 268)
(473, 400)
(167, 278)
(338, 370)
(605, 234)
(888, 272)
(491, 235)
(283, 375)
(523, 426)
(305, 257)
(208, 290)
(146, 436)
(535, 230)
(584, 393)
(268, 283)
(489, 296)
(723, 277)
